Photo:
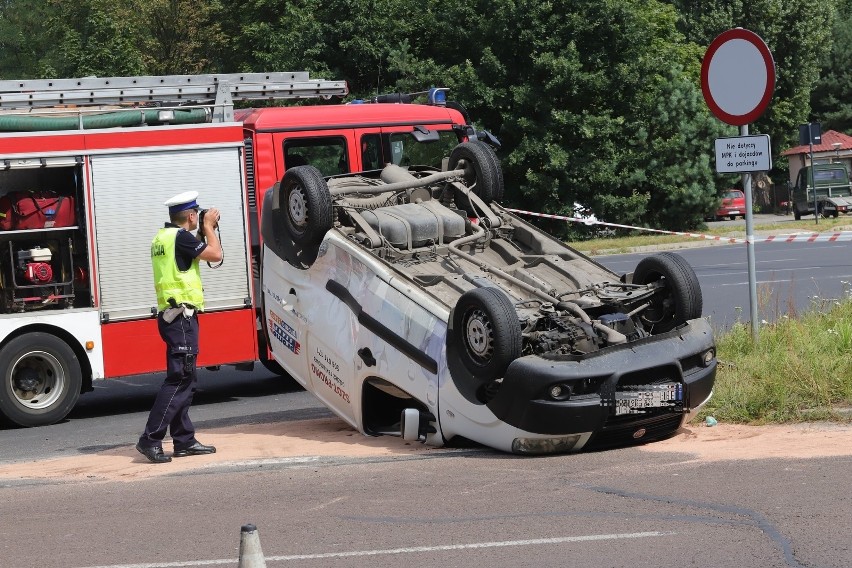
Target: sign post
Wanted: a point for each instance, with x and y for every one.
(811, 133)
(737, 80)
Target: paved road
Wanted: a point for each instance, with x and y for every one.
(791, 277)
(472, 508)
(115, 413)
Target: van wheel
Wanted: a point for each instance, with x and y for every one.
(796, 215)
(487, 323)
(41, 379)
(678, 300)
(307, 201)
(499, 185)
(482, 171)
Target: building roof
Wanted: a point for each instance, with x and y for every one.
(829, 137)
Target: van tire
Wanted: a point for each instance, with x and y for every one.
(487, 326)
(482, 170)
(306, 201)
(679, 301)
(499, 184)
(41, 377)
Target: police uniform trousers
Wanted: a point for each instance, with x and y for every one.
(171, 407)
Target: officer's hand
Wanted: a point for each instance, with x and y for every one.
(211, 218)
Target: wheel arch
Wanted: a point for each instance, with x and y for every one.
(70, 340)
(381, 404)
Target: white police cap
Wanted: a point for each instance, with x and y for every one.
(182, 202)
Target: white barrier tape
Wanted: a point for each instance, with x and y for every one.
(798, 237)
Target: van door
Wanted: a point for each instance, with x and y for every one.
(284, 322)
(331, 328)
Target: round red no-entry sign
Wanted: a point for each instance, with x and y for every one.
(738, 76)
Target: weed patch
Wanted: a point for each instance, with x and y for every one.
(799, 369)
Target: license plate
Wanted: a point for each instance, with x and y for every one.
(734, 212)
(637, 399)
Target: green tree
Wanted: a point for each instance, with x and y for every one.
(93, 37)
(584, 96)
(268, 35)
(183, 36)
(831, 100)
(799, 38)
(23, 40)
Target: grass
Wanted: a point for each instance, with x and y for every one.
(621, 244)
(799, 369)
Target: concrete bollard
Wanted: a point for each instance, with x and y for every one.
(251, 556)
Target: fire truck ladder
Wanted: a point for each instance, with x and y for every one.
(167, 90)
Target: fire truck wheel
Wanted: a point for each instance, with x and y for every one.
(678, 301)
(487, 323)
(41, 379)
(307, 201)
(482, 171)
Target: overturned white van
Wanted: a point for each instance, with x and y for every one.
(412, 304)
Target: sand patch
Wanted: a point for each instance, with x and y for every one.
(737, 442)
(238, 444)
(305, 440)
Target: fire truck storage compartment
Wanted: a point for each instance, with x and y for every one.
(44, 268)
(128, 192)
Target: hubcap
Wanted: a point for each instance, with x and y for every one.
(479, 334)
(38, 380)
(298, 208)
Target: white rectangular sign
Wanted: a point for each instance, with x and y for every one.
(743, 154)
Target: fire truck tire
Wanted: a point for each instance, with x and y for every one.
(677, 302)
(487, 324)
(41, 379)
(307, 202)
(482, 171)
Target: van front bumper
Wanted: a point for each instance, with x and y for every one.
(677, 361)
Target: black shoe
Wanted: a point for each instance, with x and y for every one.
(153, 453)
(195, 449)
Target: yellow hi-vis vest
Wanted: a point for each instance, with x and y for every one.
(169, 281)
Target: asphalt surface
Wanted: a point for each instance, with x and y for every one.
(470, 508)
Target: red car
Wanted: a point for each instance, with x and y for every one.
(733, 205)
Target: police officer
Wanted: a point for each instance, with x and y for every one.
(175, 255)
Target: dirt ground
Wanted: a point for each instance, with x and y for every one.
(306, 440)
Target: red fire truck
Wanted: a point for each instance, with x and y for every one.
(85, 166)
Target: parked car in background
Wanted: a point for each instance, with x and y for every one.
(733, 205)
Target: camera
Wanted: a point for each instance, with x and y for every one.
(201, 213)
